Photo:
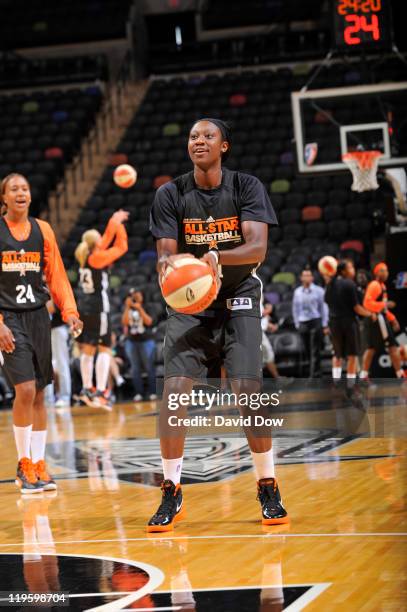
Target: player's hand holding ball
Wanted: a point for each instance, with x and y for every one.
(189, 285)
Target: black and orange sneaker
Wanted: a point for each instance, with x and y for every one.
(86, 396)
(102, 400)
(170, 510)
(44, 477)
(273, 511)
(26, 479)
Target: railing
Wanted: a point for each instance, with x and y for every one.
(108, 115)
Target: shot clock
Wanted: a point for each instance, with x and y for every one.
(362, 24)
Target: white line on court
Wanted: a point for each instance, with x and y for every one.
(225, 537)
(155, 575)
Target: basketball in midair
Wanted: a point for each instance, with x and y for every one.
(125, 176)
(327, 265)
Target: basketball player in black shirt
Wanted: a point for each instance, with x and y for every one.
(341, 295)
(95, 254)
(222, 217)
(29, 251)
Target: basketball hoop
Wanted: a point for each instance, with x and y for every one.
(363, 165)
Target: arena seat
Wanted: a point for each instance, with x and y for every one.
(311, 213)
(272, 297)
(294, 200)
(280, 186)
(293, 231)
(288, 278)
(333, 212)
(289, 351)
(355, 245)
(292, 215)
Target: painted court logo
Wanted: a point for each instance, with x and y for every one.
(22, 262)
(207, 459)
(197, 231)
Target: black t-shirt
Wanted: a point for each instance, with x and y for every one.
(341, 296)
(93, 294)
(137, 330)
(21, 269)
(196, 217)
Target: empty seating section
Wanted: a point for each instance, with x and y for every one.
(317, 216)
(41, 132)
(44, 22)
(18, 71)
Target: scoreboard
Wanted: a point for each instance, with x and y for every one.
(362, 24)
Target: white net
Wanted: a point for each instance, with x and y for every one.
(363, 165)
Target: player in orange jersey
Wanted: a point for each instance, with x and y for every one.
(28, 249)
(380, 333)
(94, 257)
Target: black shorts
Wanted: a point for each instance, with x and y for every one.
(379, 334)
(31, 359)
(97, 329)
(195, 345)
(345, 336)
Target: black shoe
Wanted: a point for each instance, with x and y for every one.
(86, 397)
(170, 510)
(99, 400)
(269, 497)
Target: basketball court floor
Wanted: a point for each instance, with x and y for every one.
(342, 472)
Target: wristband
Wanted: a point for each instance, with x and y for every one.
(216, 253)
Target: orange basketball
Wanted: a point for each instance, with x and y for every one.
(327, 265)
(190, 286)
(125, 176)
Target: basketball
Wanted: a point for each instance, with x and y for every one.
(190, 286)
(125, 176)
(327, 265)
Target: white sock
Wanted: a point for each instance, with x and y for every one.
(102, 370)
(400, 374)
(336, 372)
(119, 380)
(350, 375)
(263, 464)
(363, 374)
(22, 436)
(38, 442)
(172, 469)
(87, 371)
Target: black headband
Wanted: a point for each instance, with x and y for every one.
(224, 130)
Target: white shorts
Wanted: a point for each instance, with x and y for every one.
(267, 349)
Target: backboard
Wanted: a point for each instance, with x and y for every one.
(331, 122)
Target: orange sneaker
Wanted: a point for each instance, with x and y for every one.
(26, 479)
(43, 476)
(100, 400)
